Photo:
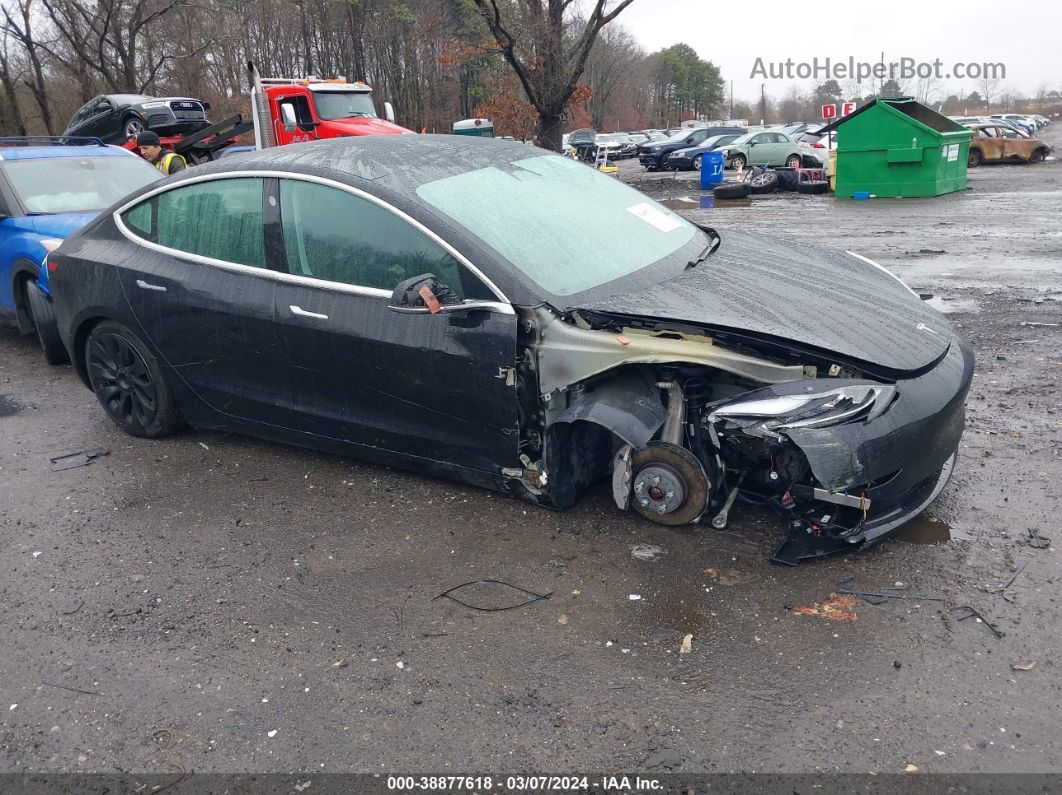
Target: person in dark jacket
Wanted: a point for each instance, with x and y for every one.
(151, 150)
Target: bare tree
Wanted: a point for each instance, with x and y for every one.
(988, 87)
(9, 81)
(547, 63)
(20, 27)
(112, 36)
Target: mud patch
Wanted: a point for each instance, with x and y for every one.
(923, 530)
(9, 406)
(730, 576)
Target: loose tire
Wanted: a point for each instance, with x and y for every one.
(975, 158)
(765, 182)
(128, 382)
(739, 162)
(787, 180)
(732, 190)
(814, 186)
(43, 316)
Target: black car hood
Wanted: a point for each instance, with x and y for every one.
(801, 294)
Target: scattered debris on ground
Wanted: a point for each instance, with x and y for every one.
(646, 552)
(973, 612)
(836, 608)
(78, 459)
(535, 597)
(1038, 540)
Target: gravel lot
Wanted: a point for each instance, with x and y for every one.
(214, 603)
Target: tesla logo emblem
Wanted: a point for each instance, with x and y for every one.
(924, 327)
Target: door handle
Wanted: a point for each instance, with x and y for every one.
(146, 286)
(298, 310)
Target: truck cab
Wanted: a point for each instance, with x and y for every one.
(289, 111)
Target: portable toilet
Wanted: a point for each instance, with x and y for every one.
(899, 147)
(482, 128)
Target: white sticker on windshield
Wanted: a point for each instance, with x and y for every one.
(653, 216)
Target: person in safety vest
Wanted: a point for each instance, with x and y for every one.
(152, 151)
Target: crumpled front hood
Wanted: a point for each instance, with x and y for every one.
(797, 293)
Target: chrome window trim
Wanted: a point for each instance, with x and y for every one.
(502, 306)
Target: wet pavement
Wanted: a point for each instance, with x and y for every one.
(215, 603)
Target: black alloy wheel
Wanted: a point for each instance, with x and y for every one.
(128, 383)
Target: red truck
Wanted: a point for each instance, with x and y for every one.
(288, 111)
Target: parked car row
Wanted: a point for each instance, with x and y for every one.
(262, 293)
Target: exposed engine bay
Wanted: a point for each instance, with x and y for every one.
(691, 423)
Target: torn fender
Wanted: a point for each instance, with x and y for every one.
(629, 405)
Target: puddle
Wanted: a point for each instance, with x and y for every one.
(9, 406)
(689, 203)
(923, 529)
(705, 202)
(951, 306)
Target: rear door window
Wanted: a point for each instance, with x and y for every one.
(221, 219)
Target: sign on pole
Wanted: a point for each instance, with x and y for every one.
(829, 111)
(847, 108)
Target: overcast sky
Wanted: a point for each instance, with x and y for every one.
(1025, 35)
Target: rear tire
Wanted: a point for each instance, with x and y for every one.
(128, 382)
(132, 127)
(733, 190)
(43, 316)
(975, 158)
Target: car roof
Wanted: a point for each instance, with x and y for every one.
(48, 152)
(399, 163)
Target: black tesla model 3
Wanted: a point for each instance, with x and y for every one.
(512, 318)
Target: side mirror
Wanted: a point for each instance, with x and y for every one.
(287, 117)
(389, 112)
(423, 294)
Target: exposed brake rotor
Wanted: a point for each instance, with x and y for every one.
(668, 484)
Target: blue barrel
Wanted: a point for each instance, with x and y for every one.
(711, 169)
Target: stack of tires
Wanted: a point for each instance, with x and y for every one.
(760, 181)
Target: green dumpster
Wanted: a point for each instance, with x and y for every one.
(899, 147)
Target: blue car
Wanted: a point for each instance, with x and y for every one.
(49, 188)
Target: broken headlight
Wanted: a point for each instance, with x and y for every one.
(770, 416)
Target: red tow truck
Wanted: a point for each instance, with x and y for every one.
(287, 111)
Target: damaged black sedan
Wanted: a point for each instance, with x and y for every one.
(491, 312)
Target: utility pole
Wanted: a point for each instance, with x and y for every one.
(731, 100)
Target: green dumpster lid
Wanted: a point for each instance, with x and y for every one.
(906, 106)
